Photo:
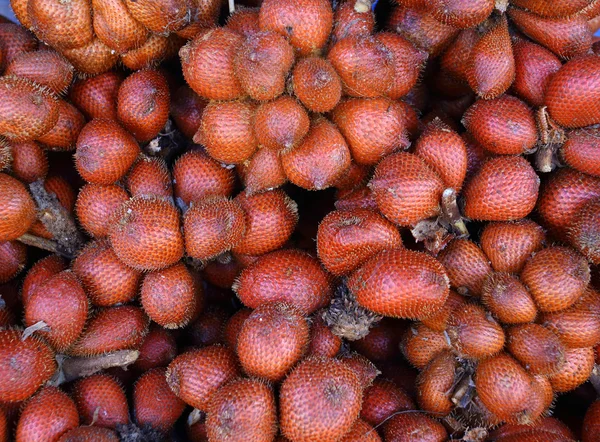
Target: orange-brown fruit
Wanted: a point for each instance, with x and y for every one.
(382, 341)
(271, 217)
(46, 68)
(244, 21)
(208, 328)
(534, 67)
(149, 177)
(557, 9)
(319, 400)
(227, 132)
(422, 29)
(348, 22)
(244, 409)
(467, 266)
(25, 365)
(272, 340)
(223, 271)
(61, 25)
(360, 198)
(46, 416)
(158, 349)
(262, 63)
(143, 104)
(28, 110)
(280, 124)
(584, 234)
(213, 226)
(105, 151)
(491, 68)
(13, 257)
(319, 160)
(439, 321)
(473, 333)
(112, 329)
(63, 136)
(445, 152)
(194, 376)
(461, 13)
(452, 61)
(115, 27)
(581, 151)
(290, 276)
(306, 23)
(186, 110)
(504, 126)
(262, 172)
(92, 59)
(591, 423)
(406, 189)
(322, 341)
(505, 388)
(146, 234)
(101, 401)
(373, 127)
(538, 349)
(154, 403)
(197, 176)
(156, 49)
(316, 84)
(96, 96)
(160, 17)
(355, 176)
(39, 274)
(90, 433)
(208, 64)
(233, 327)
(382, 400)
(435, 384)
(17, 209)
(567, 37)
(508, 245)
(504, 189)
(361, 432)
(170, 296)
(507, 299)
(400, 283)
(365, 66)
(96, 205)
(408, 63)
(346, 239)
(563, 196)
(578, 326)
(106, 280)
(62, 304)
(416, 426)
(576, 370)
(361, 366)
(572, 93)
(556, 277)
(29, 161)
(15, 40)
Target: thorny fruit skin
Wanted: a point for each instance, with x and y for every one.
(319, 400)
(416, 424)
(243, 409)
(272, 339)
(383, 399)
(145, 234)
(290, 276)
(194, 376)
(100, 400)
(401, 283)
(24, 365)
(17, 209)
(47, 416)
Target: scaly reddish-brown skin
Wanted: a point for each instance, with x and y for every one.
(17, 209)
(400, 283)
(280, 124)
(96, 205)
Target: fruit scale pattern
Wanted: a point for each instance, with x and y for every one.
(300, 220)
